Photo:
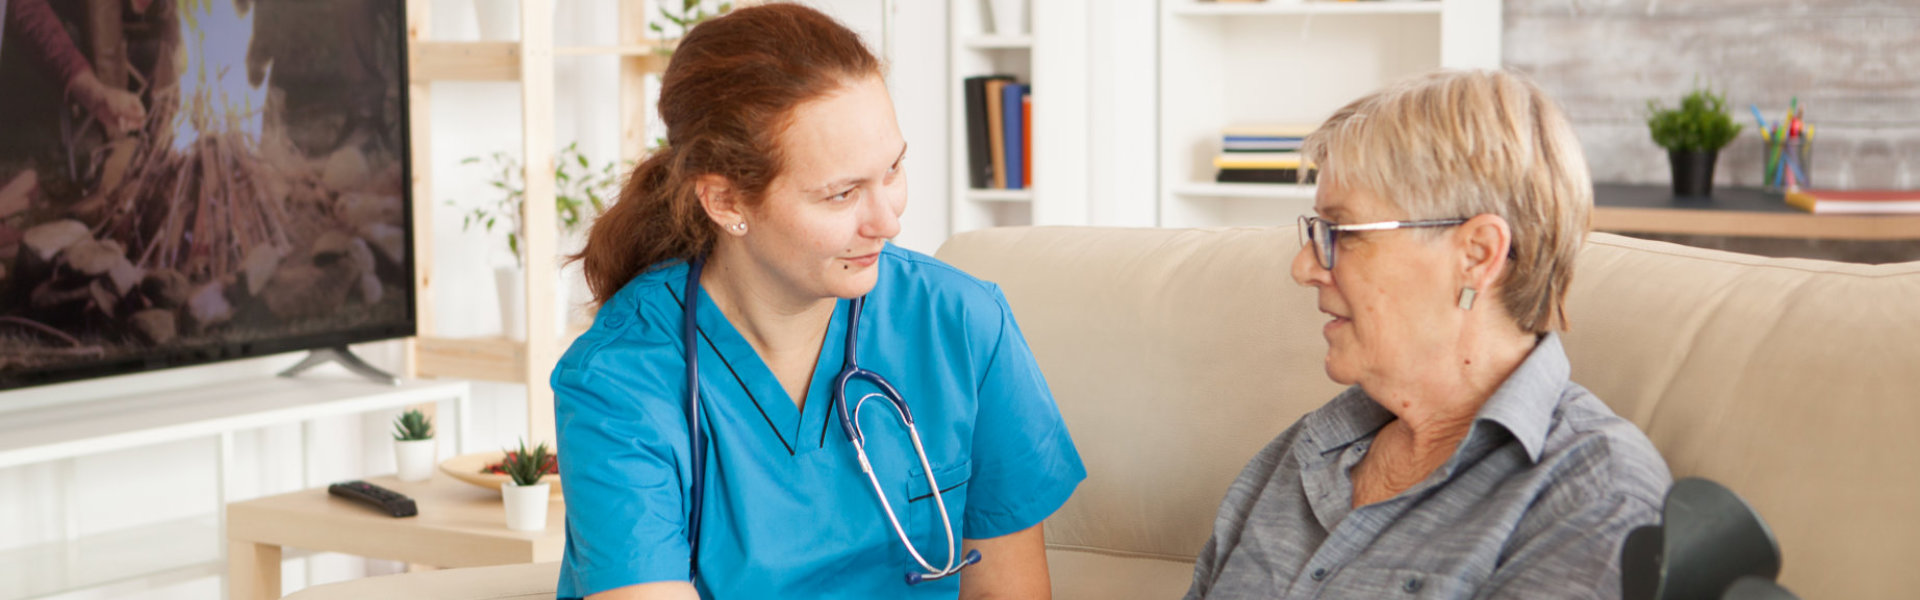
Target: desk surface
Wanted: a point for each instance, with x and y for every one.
(1732, 211)
(459, 525)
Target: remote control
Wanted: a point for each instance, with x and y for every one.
(388, 501)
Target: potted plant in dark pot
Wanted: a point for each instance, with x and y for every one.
(1693, 134)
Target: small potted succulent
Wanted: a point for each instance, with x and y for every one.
(1693, 134)
(413, 445)
(525, 495)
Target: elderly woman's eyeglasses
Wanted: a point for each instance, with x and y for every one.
(1321, 233)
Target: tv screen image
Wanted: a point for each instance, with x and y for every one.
(185, 181)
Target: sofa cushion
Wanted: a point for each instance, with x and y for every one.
(1176, 354)
(1795, 383)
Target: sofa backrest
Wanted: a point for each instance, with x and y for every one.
(1176, 354)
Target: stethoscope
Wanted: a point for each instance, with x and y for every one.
(849, 423)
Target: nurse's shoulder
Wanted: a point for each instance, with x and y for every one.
(634, 342)
(913, 282)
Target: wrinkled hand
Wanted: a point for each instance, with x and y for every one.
(119, 111)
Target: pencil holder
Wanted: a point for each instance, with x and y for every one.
(1788, 164)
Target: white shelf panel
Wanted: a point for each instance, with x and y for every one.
(1275, 191)
(140, 419)
(1000, 195)
(1197, 9)
(999, 42)
(178, 550)
(136, 558)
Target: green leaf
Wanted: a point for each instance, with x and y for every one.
(1700, 123)
(687, 5)
(469, 160)
(412, 425)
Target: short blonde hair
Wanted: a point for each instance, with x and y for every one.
(1454, 144)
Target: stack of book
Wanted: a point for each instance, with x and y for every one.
(1262, 154)
(1855, 202)
(999, 133)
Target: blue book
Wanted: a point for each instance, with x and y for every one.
(1015, 128)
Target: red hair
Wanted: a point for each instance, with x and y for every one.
(729, 91)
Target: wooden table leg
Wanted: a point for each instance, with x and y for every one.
(253, 571)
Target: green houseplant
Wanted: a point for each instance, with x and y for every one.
(582, 190)
(413, 446)
(692, 12)
(1693, 134)
(411, 426)
(526, 496)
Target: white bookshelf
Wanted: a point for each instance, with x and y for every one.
(1052, 56)
(1288, 63)
(1215, 9)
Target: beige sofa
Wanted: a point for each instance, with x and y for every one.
(1176, 354)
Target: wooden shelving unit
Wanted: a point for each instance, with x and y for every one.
(529, 62)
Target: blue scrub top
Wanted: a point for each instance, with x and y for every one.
(788, 512)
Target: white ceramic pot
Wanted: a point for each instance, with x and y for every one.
(1009, 16)
(512, 284)
(415, 459)
(526, 506)
(499, 19)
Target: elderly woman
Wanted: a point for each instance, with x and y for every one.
(1461, 462)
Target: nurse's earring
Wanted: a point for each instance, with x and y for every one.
(739, 228)
(1466, 298)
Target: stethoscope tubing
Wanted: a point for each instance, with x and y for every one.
(849, 423)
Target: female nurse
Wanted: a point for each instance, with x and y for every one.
(781, 182)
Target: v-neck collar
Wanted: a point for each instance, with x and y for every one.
(740, 370)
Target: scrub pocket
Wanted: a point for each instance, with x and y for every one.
(923, 515)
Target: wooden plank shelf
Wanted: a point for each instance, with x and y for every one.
(464, 61)
(1738, 212)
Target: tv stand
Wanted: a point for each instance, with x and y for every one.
(346, 358)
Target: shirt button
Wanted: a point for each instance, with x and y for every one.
(1360, 449)
(1319, 574)
(616, 320)
(1412, 585)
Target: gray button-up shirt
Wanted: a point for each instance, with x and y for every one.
(1534, 503)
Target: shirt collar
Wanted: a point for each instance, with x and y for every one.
(1524, 405)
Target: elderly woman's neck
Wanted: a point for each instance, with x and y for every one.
(1436, 409)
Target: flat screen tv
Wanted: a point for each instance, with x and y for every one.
(188, 181)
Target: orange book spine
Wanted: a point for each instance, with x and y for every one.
(1026, 142)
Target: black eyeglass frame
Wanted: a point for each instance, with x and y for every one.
(1323, 243)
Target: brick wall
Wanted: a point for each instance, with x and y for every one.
(1855, 66)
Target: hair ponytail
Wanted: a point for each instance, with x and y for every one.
(657, 218)
(728, 91)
